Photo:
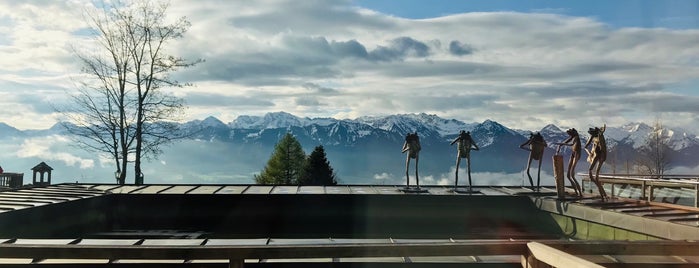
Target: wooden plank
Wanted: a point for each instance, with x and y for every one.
(663, 247)
(558, 258)
(260, 252)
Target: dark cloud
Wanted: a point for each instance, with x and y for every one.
(399, 49)
(323, 51)
(318, 89)
(350, 48)
(442, 69)
(663, 103)
(307, 101)
(459, 49)
(262, 69)
(207, 99)
(300, 57)
(585, 90)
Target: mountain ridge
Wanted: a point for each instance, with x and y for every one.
(359, 149)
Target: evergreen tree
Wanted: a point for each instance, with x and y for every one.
(317, 169)
(285, 164)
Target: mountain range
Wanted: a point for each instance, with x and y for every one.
(365, 150)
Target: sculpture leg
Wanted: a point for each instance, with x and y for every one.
(417, 179)
(468, 164)
(456, 174)
(594, 179)
(538, 177)
(531, 181)
(599, 183)
(407, 167)
(571, 176)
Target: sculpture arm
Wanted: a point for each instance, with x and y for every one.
(588, 142)
(524, 144)
(405, 147)
(566, 142)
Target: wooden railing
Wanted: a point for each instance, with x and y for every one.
(11, 180)
(648, 183)
(556, 253)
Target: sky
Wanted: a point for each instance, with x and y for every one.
(524, 64)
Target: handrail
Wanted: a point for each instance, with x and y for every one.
(648, 184)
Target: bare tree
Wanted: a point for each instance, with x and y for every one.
(655, 157)
(148, 35)
(121, 108)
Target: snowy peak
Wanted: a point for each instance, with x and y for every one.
(269, 120)
(402, 124)
(443, 126)
(636, 127)
(7, 130)
(553, 134)
(488, 132)
(637, 134)
(551, 128)
(493, 128)
(212, 122)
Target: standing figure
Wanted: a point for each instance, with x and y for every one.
(573, 141)
(465, 144)
(597, 155)
(412, 146)
(536, 152)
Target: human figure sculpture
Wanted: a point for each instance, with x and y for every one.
(464, 145)
(597, 155)
(573, 141)
(535, 145)
(412, 146)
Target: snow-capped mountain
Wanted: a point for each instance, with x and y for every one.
(269, 120)
(413, 122)
(636, 135)
(358, 149)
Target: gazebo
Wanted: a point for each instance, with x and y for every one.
(41, 168)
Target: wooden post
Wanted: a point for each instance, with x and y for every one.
(643, 190)
(236, 263)
(650, 193)
(612, 190)
(696, 195)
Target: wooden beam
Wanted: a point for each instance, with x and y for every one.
(558, 258)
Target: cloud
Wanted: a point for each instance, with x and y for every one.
(459, 49)
(46, 148)
(521, 69)
(383, 176)
(318, 89)
(213, 100)
(400, 48)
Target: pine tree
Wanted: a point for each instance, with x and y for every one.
(285, 164)
(317, 169)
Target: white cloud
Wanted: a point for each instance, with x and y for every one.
(261, 57)
(45, 148)
(383, 176)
